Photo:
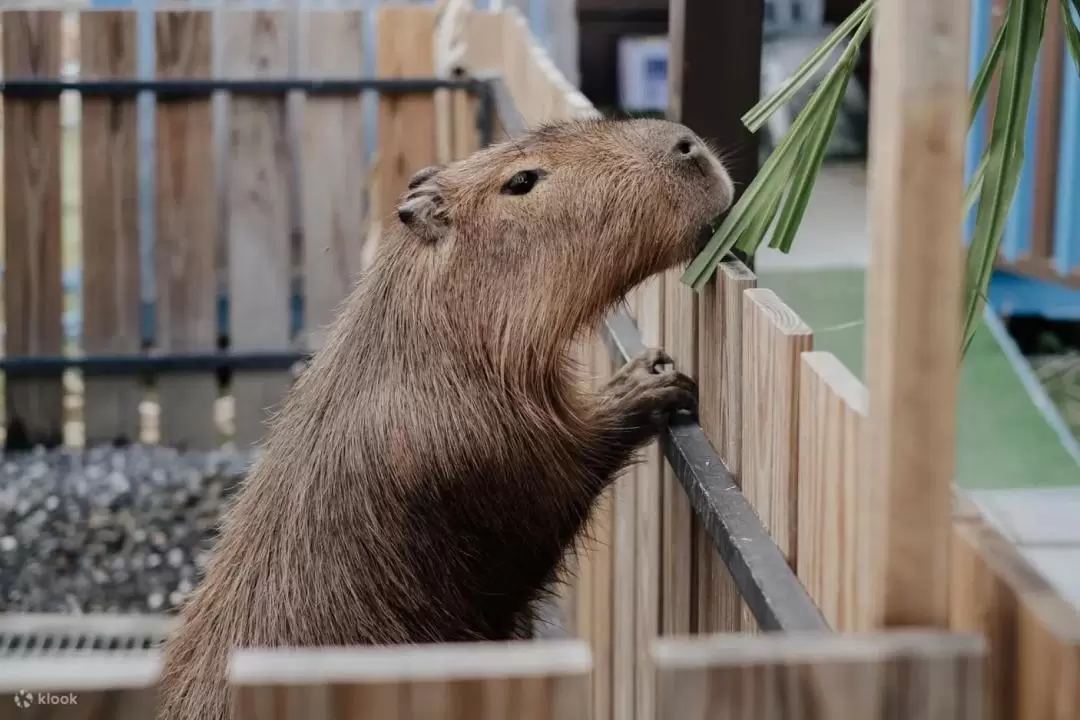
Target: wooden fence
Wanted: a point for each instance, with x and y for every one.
(282, 212)
(792, 508)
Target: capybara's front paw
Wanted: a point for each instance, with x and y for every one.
(648, 390)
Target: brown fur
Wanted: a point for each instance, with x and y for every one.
(429, 471)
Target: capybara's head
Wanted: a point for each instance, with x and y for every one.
(578, 212)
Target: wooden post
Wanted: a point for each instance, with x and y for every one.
(919, 119)
(110, 225)
(33, 296)
(697, 29)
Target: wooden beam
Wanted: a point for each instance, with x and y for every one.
(933, 676)
(709, 96)
(919, 120)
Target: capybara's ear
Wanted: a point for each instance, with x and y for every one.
(422, 176)
(423, 213)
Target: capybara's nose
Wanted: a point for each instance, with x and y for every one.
(689, 148)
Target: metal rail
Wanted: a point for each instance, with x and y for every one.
(184, 88)
(50, 365)
(766, 582)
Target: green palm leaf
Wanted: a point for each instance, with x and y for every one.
(1023, 36)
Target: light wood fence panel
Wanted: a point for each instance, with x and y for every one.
(185, 250)
(680, 342)
(112, 686)
(259, 187)
(905, 675)
(33, 296)
(516, 681)
(838, 561)
(773, 339)
(110, 225)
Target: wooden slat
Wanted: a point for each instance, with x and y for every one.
(720, 608)
(602, 609)
(532, 681)
(333, 171)
(774, 337)
(680, 342)
(186, 231)
(987, 580)
(930, 676)
(650, 321)
(836, 560)
(260, 175)
(406, 122)
(110, 225)
(1049, 659)
(624, 596)
(1032, 633)
(917, 140)
(33, 296)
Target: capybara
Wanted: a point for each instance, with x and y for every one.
(437, 459)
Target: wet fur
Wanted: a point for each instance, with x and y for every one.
(429, 471)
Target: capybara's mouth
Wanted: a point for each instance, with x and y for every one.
(704, 235)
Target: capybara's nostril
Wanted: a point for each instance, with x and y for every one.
(685, 146)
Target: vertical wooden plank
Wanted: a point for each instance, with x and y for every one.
(774, 338)
(919, 119)
(602, 606)
(186, 230)
(931, 676)
(988, 578)
(603, 568)
(406, 122)
(624, 596)
(719, 605)
(110, 225)
(649, 473)
(1049, 659)
(333, 170)
(680, 342)
(257, 46)
(832, 561)
(33, 296)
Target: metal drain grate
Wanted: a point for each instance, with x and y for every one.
(24, 637)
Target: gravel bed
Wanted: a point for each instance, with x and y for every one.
(118, 530)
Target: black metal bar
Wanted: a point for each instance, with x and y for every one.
(171, 89)
(765, 580)
(47, 365)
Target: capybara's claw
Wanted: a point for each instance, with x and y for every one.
(649, 390)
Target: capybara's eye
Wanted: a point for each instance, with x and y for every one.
(521, 183)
